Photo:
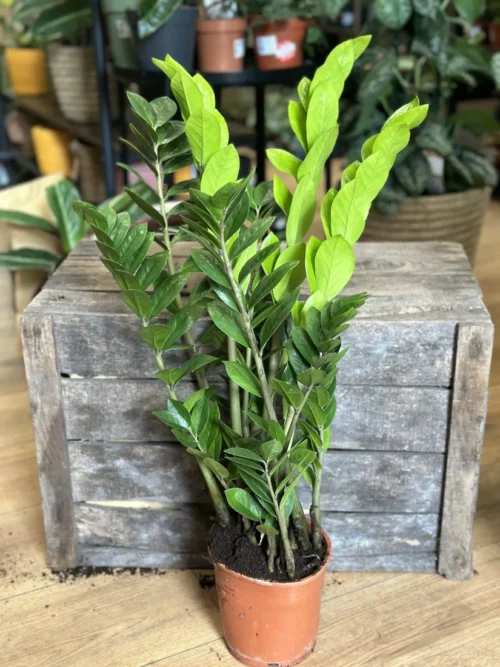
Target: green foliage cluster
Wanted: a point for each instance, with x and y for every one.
(278, 355)
(281, 10)
(65, 223)
(424, 48)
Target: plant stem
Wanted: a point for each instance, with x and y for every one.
(200, 378)
(317, 538)
(246, 398)
(218, 501)
(272, 551)
(234, 390)
(293, 424)
(289, 559)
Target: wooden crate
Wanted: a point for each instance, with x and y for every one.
(400, 479)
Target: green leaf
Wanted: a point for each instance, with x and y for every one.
(203, 133)
(186, 92)
(284, 161)
(303, 90)
(411, 114)
(264, 529)
(314, 162)
(243, 502)
(157, 14)
(236, 215)
(470, 10)
(311, 377)
(174, 375)
(142, 108)
(165, 292)
(26, 220)
(175, 416)
(211, 267)
(312, 247)
(151, 268)
(249, 236)
(267, 284)
(216, 467)
(282, 194)
(305, 345)
(228, 322)
(255, 262)
(294, 253)
(199, 416)
(334, 266)
(269, 263)
(164, 109)
(393, 13)
(427, 7)
(243, 377)
(270, 450)
(138, 302)
(243, 453)
(207, 93)
(323, 111)
(302, 211)
(277, 315)
(145, 206)
(477, 121)
(222, 168)
(326, 212)
(298, 122)
(28, 258)
(61, 198)
(291, 395)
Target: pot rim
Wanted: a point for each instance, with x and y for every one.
(449, 195)
(209, 25)
(293, 22)
(285, 584)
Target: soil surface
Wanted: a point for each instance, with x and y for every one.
(232, 547)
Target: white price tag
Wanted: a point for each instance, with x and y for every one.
(267, 45)
(239, 48)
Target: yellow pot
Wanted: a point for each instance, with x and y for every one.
(27, 71)
(52, 150)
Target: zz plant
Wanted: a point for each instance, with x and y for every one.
(266, 361)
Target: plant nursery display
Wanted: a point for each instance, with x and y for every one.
(65, 224)
(139, 30)
(221, 40)
(427, 50)
(266, 365)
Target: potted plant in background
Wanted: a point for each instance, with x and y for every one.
(440, 186)
(221, 37)
(25, 60)
(64, 27)
(280, 26)
(140, 30)
(266, 427)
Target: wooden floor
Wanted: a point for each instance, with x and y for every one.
(128, 620)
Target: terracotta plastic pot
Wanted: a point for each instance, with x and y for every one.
(221, 45)
(27, 71)
(52, 150)
(267, 623)
(279, 44)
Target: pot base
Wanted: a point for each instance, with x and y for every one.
(256, 662)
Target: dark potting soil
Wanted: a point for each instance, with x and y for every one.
(233, 548)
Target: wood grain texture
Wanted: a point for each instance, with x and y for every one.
(393, 418)
(50, 438)
(401, 353)
(353, 481)
(468, 418)
(160, 534)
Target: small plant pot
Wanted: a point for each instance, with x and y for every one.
(270, 623)
(27, 71)
(52, 150)
(456, 217)
(280, 44)
(221, 45)
(175, 37)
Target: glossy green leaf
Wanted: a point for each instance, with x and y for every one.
(243, 377)
(264, 529)
(277, 316)
(270, 450)
(470, 10)
(151, 269)
(211, 267)
(204, 136)
(267, 284)
(298, 122)
(255, 262)
(28, 258)
(243, 502)
(295, 277)
(292, 395)
(165, 292)
(222, 168)
(284, 161)
(302, 211)
(334, 266)
(249, 236)
(138, 302)
(323, 111)
(393, 13)
(26, 220)
(61, 197)
(427, 7)
(228, 322)
(186, 92)
(175, 416)
(282, 194)
(312, 247)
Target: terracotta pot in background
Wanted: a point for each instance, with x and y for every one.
(27, 71)
(279, 44)
(269, 623)
(221, 45)
(52, 150)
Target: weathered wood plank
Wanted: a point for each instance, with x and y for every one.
(185, 530)
(399, 354)
(117, 557)
(392, 418)
(50, 439)
(468, 418)
(435, 307)
(352, 481)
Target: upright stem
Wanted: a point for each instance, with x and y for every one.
(289, 559)
(272, 551)
(246, 398)
(218, 501)
(234, 390)
(315, 507)
(202, 381)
